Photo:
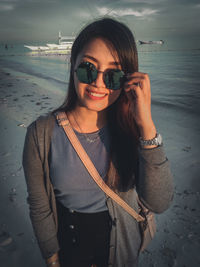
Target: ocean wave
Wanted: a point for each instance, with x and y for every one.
(178, 106)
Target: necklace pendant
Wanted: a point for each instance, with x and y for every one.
(85, 135)
(91, 140)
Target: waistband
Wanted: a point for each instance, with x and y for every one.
(61, 208)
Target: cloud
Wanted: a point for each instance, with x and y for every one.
(82, 14)
(8, 1)
(6, 7)
(32, 1)
(126, 12)
(143, 1)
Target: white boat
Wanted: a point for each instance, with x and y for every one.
(63, 47)
(151, 42)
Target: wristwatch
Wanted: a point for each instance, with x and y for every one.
(157, 140)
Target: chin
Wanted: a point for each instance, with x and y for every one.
(97, 107)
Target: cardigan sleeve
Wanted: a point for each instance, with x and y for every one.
(39, 204)
(155, 181)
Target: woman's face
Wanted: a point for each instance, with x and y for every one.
(95, 96)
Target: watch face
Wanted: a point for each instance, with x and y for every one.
(155, 141)
(159, 139)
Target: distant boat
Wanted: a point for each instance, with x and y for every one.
(151, 42)
(63, 47)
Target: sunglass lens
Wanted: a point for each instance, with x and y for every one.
(86, 72)
(113, 79)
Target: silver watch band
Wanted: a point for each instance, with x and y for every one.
(157, 140)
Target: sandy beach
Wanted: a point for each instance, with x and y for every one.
(22, 99)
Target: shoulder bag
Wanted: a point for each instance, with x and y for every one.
(145, 217)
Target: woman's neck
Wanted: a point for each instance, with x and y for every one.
(87, 121)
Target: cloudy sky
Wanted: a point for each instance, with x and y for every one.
(40, 20)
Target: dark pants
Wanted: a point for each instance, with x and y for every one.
(83, 238)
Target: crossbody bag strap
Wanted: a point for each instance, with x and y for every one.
(64, 122)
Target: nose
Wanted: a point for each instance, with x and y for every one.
(99, 82)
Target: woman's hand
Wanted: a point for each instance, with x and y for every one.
(138, 90)
(53, 261)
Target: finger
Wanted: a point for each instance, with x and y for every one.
(135, 90)
(135, 80)
(133, 86)
(131, 95)
(137, 74)
(134, 77)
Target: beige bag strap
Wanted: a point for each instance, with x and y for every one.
(64, 122)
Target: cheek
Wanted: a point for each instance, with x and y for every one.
(79, 87)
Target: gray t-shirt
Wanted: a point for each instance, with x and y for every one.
(73, 186)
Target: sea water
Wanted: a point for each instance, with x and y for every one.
(174, 73)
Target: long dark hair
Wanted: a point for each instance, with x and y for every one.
(123, 129)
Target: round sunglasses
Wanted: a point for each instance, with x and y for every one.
(113, 78)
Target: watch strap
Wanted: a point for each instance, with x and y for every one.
(157, 140)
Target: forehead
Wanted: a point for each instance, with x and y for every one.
(101, 50)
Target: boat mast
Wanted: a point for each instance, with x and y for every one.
(59, 37)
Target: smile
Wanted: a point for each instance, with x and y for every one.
(95, 94)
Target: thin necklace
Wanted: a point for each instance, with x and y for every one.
(84, 134)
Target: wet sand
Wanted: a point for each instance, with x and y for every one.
(177, 243)
(22, 100)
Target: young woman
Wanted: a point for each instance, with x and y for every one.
(109, 108)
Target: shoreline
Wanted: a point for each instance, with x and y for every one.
(28, 97)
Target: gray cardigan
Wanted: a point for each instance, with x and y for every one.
(155, 189)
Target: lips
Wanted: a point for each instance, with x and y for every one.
(95, 95)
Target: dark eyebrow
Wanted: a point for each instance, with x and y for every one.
(95, 60)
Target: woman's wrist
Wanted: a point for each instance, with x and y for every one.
(148, 132)
(53, 261)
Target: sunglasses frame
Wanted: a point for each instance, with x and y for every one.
(91, 65)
